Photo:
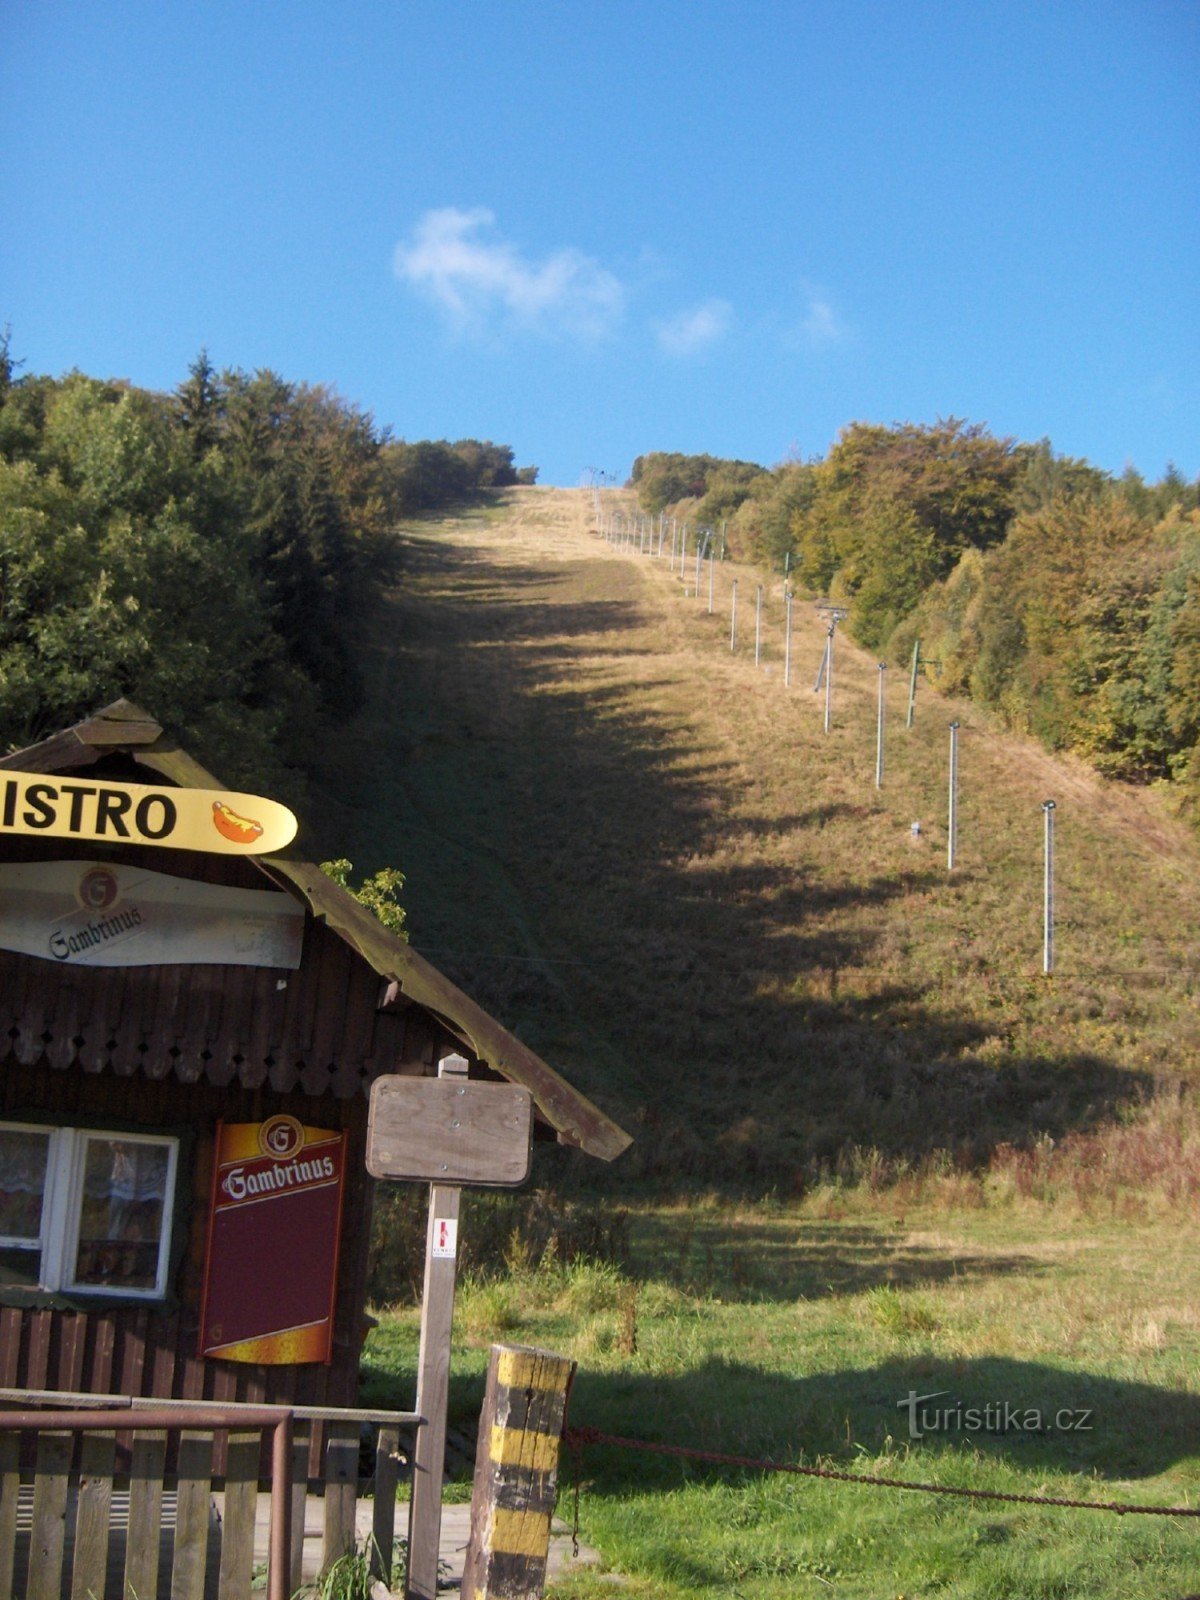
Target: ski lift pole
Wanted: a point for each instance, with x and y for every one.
(787, 638)
(758, 603)
(829, 680)
(879, 729)
(952, 808)
(820, 678)
(1048, 809)
(912, 684)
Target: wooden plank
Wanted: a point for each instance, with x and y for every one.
(230, 1025)
(98, 1453)
(65, 1022)
(104, 1343)
(237, 1526)
(127, 1057)
(196, 1019)
(162, 1031)
(10, 1483)
(73, 1329)
(221, 1379)
(102, 1021)
(11, 1323)
(132, 1331)
(300, 1446)
(383, 1519)
(48, 1534)
(341, 1492)
(37, 1363)
(193, 1498)
(449, 1130)
(163, 1342)
(262, 1013)
(148, 1457)
(358, 1024)
(28, 1044)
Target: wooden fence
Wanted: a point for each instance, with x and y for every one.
(159, 1499)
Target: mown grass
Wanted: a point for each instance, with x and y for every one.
(783, 1333)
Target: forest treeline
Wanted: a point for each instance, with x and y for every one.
(1065, 599)
(204, 552)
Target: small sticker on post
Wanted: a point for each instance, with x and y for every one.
(445, 1238)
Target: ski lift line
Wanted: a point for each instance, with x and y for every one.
(1088, 804)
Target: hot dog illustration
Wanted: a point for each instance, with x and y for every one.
(241, 830)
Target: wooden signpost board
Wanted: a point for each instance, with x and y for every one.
(445, 1131)
(449, 1130)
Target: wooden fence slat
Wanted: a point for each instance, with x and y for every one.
(383, 1521)
(300, 1447)
(237, 1526)
(10, 1482)
(194, 1494)
(49, 1531)
(88, 1570)
(341, 1490)
(147, 1458)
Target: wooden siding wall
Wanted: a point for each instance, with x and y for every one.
(149, 1349)
(319, 1029)
(179, 1047)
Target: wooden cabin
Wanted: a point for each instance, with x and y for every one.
(274, 1003)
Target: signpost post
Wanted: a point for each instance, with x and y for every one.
(447, 1131)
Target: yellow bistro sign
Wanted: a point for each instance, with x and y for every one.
(220, 822)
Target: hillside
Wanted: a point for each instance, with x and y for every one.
(645, 855)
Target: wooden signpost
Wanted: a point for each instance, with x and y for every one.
(446, 1131)
(449, 1130)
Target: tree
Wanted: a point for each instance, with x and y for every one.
(378, 893)
(892, 510)
(201, 405)
(665, 479)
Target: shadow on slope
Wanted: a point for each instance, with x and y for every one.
(591, 864)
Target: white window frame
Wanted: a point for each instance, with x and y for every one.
(62, 1209)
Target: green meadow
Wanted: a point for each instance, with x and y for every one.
(878, 1153)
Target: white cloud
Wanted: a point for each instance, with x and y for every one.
(694, 330)
(820, 325)
(479, 281)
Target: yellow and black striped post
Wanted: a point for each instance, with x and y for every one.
(516, 1471)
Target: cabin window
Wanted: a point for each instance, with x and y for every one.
(85, 1210)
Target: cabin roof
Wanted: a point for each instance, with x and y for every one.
(124, 729)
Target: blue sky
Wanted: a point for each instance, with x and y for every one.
(592, 230)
